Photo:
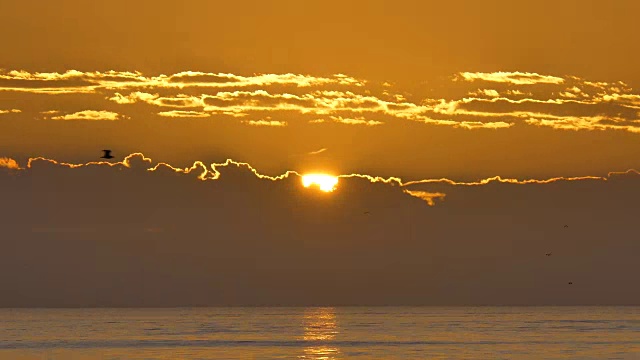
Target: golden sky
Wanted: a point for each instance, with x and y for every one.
(443, 121)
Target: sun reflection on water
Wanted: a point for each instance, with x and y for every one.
(320, 326)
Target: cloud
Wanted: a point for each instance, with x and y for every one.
(10, 111)
(569, 112)
(356, 121)
(133, 97)
(261, 122)
(317, 151)
(499, 179)
(73, 81)
(212, 172)
(215, 171)
(270, 232)
(485, 92)
(517, 78)
(429, 197)
(568, 95)
(177, 101)
(90, 115)
(8, 163)
(585, 122)
(184, 114)
(485, 125)
(514, 99)
(517, 92)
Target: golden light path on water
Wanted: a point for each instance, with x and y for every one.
(319, 326)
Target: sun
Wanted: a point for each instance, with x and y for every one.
(326, 182)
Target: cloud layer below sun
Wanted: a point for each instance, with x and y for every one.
(215, 234)
(421, 188)
(474, 100)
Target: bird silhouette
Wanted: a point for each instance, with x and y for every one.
(566, 226)
(548, 254)
(570, 282)
(107, 154)
(367, 213)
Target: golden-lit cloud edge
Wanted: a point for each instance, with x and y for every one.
(90, 115)
(515, 77)
(184, 114)
(267, 122)
(212, 172)
(9, 163)
(428, 197)
(74, 81)
(509, 99)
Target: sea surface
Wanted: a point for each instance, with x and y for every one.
(322, 333)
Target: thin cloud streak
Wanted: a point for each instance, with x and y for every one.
(317, 151)
(73, 81)
(261, 122)
(517, 78)
(91, 115)
(184, 114)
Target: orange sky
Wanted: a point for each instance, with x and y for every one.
(407, 66)
(433, 97)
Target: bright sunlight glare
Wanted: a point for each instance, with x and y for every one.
(325, 182)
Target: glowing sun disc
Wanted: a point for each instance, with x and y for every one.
(325, 182)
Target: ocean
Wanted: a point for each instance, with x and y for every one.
(322, 333)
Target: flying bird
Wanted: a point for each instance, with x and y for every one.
(570, 282)
(566, 226)
(548, 254)
(107, 154)
(367, 213)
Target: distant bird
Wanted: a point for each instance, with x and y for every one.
(570, 282)
(548, 254)
(107, 154)
(566, 226)
(367, 213)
